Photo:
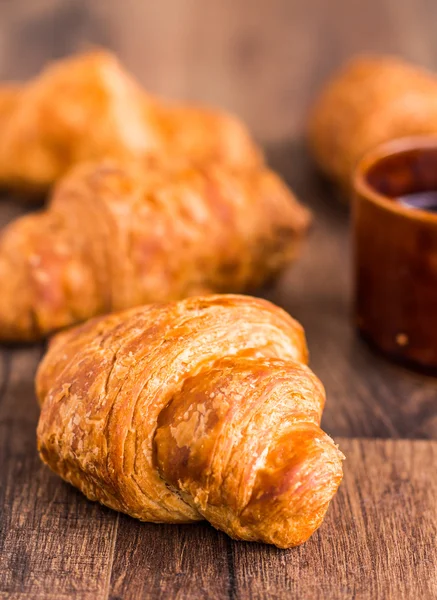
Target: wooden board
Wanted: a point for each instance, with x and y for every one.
(378, 540)
(264, 60)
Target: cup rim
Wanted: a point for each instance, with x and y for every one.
(392, 148)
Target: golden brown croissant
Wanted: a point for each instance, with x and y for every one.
(117, 235)
(200, 409)
(9, 95)
(370, 101)
(87, 107)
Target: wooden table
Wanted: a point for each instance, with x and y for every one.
(263, 59)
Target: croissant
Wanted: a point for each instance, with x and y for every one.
(199, 409)
(9, 95)
(87, 107)
(370, 101)
(119, 234)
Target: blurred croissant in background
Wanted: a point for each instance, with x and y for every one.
(119, 234)
(372, 100)
(88, 107)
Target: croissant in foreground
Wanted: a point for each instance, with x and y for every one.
(88, 107)
(201, 409)
(121, 234)
(370, 101)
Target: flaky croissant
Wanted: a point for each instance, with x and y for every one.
(117, 235)
(200, 409)
(87, 107)
(370, 101)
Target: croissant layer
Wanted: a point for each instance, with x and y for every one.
(119, 234)
(199, 409)
(372, 100)
(87, 108)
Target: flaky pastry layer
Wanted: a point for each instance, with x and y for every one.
(121, 233)
(88, 107)
(200, 409)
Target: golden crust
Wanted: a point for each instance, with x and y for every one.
(9, 95)
(371, 100)
(119, 234)
(204, 134)
(198, 409)
(88, 107)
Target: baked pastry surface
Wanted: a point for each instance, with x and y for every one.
(118, 234)
(88, 107)
(200, 409)
(371, 100)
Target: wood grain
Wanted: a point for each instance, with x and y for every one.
(171, 562)
(377, 542)
(263, 59)
(52, 544)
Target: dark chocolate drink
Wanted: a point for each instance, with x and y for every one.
(423, 200)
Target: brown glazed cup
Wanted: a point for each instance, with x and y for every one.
(395, 251)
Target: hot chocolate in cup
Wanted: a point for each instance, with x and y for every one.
(395, 249)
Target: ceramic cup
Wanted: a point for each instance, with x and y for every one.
(395, 249)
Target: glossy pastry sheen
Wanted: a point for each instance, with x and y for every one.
(202, 409)
(88, 107)
(370, 101)
(120, 234)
